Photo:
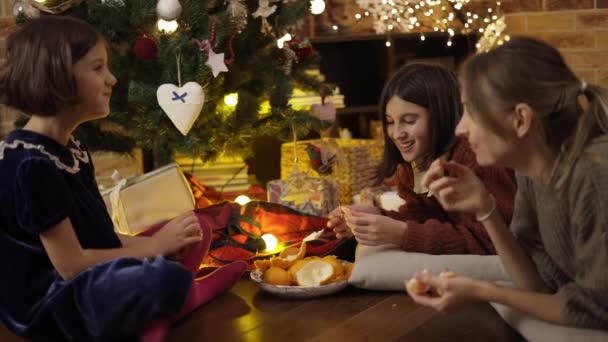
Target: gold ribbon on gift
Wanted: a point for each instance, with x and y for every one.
(118, 215)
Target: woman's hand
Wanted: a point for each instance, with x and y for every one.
(457, 188)
(447, 293)
(338, 222)
(178, 236)
(375, 229)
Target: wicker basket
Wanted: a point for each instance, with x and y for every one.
(359, 161)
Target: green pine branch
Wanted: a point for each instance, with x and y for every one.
(257, 75)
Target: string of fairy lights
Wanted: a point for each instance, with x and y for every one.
(451, 17)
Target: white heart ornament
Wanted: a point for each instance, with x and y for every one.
(182, 105)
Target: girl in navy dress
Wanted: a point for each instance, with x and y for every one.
(66, 275)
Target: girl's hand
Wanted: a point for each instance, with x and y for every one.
(374, 229)
(457, 188)
(337, 218)
(181, 253)
(448, 293)
(177, 236)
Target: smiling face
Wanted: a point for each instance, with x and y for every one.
(94, 82)
(407, 126)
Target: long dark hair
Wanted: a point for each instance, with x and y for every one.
(37, 77)
(526, 70)
(436, 89)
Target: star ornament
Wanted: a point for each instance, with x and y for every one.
(216, 63)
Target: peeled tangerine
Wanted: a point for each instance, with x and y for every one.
(277, 276)
(336, 264)
(296, 266)
(418, 287)
(314, 273)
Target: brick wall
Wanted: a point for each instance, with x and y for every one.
(579, 28)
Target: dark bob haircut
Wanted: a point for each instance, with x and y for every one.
(37, 77)
(434, 88)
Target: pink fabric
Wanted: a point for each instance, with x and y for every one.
(203, 289)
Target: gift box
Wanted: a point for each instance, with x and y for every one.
(354, 167)
(309, 195)
(136, 204)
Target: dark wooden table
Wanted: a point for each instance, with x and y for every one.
(246, 313)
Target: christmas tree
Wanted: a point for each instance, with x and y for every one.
(232, 57)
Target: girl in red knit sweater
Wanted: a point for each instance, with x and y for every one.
(421, 107)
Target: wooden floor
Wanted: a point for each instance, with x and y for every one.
(248, 314)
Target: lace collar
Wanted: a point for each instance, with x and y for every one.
(78, 154)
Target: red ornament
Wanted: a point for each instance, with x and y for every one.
(302, 47)
(145, 48)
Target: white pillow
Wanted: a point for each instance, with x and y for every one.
(533, 329)
(386, 267)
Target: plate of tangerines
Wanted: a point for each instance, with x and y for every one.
(292, 275)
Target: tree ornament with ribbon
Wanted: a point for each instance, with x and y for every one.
(215, 61)
(182, 105)
(325, 111)
(264, 11)
(302, 47)
(238, 12)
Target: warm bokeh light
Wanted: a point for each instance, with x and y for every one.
(242, 199)
(317, 6)
(271, 242)
(167, 26)
(231, 100)
(451, 17)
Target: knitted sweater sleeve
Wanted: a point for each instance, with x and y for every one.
(585, 299)
(525, 228)
(461, 233)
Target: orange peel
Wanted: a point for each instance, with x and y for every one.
(288, 256)
(262, 265)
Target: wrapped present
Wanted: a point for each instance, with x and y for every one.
(354, 167)
(309, 195)
(136, 204)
